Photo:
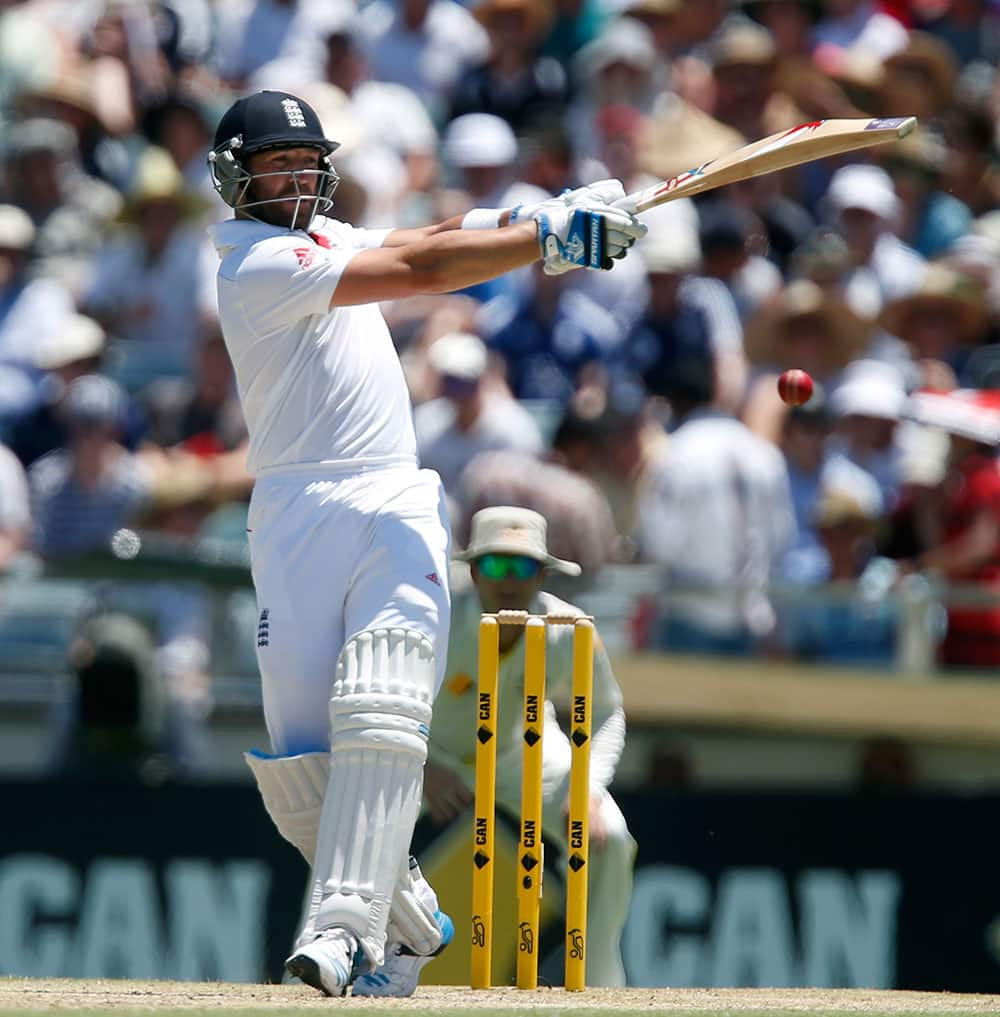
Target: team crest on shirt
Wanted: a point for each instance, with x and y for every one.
(305, 256)
(434, 578)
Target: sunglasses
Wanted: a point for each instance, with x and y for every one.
(500, 566)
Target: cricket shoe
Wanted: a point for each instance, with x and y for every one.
(329, 963)
(399, 975)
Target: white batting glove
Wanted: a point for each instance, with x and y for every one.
(605, 192)
(585, 235)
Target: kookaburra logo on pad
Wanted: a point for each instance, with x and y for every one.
(293, 113)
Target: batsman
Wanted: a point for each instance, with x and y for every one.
(349, 538)
(509, 560)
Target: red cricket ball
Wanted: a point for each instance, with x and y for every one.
(795, 387)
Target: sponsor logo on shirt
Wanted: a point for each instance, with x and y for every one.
(305, 256)
(434, 578)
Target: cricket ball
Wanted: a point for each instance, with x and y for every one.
(795, 387)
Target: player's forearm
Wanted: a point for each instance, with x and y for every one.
(404, 237)
(459, 258)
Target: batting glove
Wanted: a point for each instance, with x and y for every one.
(589, 235)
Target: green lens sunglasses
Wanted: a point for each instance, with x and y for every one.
(500, 566)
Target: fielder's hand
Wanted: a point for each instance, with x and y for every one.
(585, 235)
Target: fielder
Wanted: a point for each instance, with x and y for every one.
(508, 557)
(348, 537)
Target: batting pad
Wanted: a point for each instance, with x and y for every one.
(293, 788)
(380, 715)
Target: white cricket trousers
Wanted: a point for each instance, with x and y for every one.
(334, 554)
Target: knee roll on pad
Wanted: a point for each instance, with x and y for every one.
(293, 788)
(380, 715)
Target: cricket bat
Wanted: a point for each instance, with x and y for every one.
(804, 143)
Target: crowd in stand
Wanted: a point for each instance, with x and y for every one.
(636, 409)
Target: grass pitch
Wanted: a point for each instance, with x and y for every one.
(25, 997)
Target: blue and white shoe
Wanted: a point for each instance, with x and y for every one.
(400, 973)
(329, 963)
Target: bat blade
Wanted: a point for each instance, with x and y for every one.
(816, 140)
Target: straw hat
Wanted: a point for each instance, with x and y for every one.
(504, 529)
(941, 287)
(539, 13)
(920, 78)
(769, 327)
(157, 178)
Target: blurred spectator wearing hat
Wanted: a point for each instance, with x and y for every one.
(686, 314)
(853, 622)
(731, 238)
(813, 471)
(30, 307)
(149, 276)
(971, 173)
(472, 414)
(425, 45)
(954, 526)
(941, 320)
(395, 148)
(15, 508)
(918, 79)
(868, 403)
(717, 515)
(69, 208)
(803, 325)
(84, 493)
(74, 348)
(515, 82)
(862, 203)
(930, 219)
(576, 23)
(747, 95)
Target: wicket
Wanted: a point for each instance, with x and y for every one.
(530, 857)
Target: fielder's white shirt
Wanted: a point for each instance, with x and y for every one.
(318, 386)
(453, 729)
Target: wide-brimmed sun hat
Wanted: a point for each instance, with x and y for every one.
(505, 529)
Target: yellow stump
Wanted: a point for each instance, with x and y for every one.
(579, 805)
(485, 805)
(529, 864)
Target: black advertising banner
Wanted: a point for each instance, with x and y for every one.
(117, 880)
(815, 890)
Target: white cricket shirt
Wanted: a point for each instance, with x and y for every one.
(318, 386)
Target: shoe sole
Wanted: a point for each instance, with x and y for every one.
(307, 970)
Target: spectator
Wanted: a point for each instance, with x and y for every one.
(74, 349)
(515, 81)
(148, 279)
(862, 203)
(83, 494)
(686, 314)
(919, 79)
(942, 319)
(396, 153)
(548, 335)
(471, 415)
(803, 326)
(30, 306)
(853, 619)
(960, 540)
(423, 44)
(15, 512)
(731, 238)
(868, 404)
(717, 516)
(856, 26)
(931, 220)
(69, 208)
